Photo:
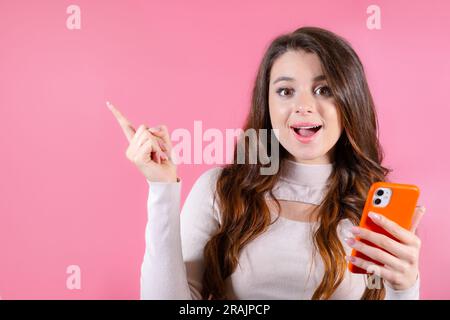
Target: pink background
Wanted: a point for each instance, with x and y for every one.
(69, 196)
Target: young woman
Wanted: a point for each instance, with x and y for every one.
(244, 235)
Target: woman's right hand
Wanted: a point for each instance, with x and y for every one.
(149, 149)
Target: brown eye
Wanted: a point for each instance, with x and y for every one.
(324, 90)
(279, 91)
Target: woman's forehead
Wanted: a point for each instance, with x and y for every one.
(297, 66)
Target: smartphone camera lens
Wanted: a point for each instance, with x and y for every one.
(380, 192)
(377, 201)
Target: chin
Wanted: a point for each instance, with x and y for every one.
(305, 155)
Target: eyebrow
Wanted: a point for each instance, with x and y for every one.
(285, 78)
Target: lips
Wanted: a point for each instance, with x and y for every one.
(306, 128)
(305, 124)
(306, 131)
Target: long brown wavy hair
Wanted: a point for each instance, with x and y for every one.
(357, 159)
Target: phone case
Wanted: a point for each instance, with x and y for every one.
(401, 208)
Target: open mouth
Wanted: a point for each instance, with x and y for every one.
(306, 131)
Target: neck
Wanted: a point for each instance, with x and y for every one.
(306, 174)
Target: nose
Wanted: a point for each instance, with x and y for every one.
(304, 104)
(303, 109)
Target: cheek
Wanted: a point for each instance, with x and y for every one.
(332, 120)
(279, 116)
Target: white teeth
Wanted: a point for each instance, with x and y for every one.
(308, 127)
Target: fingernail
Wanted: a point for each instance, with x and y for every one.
(162, 145)
(154, 129)
(350, 241)
(423, 209)
(163, 155)
(350, 258)
(374, 215)
(108, 104)
(355, 230)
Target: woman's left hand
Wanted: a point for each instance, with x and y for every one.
(401, 261)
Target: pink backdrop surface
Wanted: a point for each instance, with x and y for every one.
(69, 196)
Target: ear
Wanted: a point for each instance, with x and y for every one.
(418, 214)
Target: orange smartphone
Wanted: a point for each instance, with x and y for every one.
(396, 202)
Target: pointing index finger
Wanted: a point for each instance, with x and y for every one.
(126, 125)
